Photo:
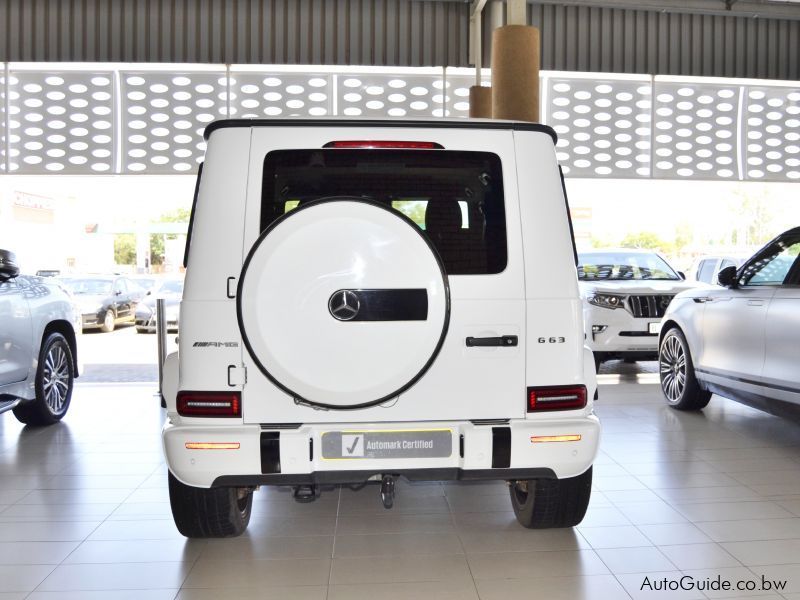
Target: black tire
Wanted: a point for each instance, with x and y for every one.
(549, 503)
(55, 378)
(108, 323)
(676, 372)
(629, 360)
(209, 513)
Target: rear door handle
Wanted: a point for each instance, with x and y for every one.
(505, 340)
(755, 303)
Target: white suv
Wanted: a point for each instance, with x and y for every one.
(626, 292)
(366, 300)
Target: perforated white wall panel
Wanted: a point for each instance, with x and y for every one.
(61, 121)
(65, 118)
(696, 131)
(266, 94)
(603, 125)
(411, 94)
(164, 115)
(772, 143)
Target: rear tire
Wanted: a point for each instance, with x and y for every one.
(550, 503)
(209, 513)
(55, 377)
(676, 371)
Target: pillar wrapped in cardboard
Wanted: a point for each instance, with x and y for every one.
(480, 102)
(515, 73)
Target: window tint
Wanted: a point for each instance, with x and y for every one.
(455, 197)
(706, 270)
(772, 266)
(726, 263)
(120, 286)
(611, 266)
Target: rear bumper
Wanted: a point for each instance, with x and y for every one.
(293, 456)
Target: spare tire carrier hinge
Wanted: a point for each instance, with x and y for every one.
(237, 375)
(228, 292)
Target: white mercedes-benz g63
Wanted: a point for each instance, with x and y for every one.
(367, 300)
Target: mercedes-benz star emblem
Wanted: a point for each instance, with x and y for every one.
(344, 305)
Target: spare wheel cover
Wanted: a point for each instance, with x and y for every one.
(343, 303)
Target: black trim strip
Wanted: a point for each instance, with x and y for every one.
(445, 325)
(771, 386)
(270, 452)
(344, 477)
(401, 304)
(432, 124)
(501, 447)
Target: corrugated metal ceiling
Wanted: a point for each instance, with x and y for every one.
(579, 37)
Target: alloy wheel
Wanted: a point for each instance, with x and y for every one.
(672, 367)
(56, 378)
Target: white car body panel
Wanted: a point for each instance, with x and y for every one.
(744, 340)
(535, 298)
(28, 305)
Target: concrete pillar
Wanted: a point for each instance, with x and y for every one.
(480, 102)
(515, 73)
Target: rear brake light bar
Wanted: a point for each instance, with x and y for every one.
(556, 398)
(212, 445)
(384, 144)
(210, 404)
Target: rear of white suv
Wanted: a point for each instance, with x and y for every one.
(379, 310)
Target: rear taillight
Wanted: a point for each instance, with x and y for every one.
(384, 144)
(210, 404)
(567, 397)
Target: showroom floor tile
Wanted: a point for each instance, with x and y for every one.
(84, 515)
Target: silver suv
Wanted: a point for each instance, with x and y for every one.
(38, 348)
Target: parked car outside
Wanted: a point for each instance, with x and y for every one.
(38, 346)
(625, 293)
(706, 268)
(171, 290)
(741, 341)
(348, 345)
(148, 283)
(105, 301)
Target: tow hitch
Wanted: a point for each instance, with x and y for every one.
(306, 493)
(387, 491)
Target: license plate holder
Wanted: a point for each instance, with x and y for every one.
(383, 444)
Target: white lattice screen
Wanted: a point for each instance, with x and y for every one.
(97, 118)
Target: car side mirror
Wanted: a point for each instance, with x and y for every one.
(118, 292)
(682, 275)
(727, 277)
(8, 265)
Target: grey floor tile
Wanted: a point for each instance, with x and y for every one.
(523, 565)
(398, 569)
(395, 523)
(635, 560)
(248, 547)
(397, 544)
(258, 574)
(674, 533)
(166, 594)
(35, 553)
(120, 576)
(765, 552)
(441, 590)
(136, 551)
(22, 578)
(752, 529)
(699, 556)
(732, 511)
(305, 592)
(623, 536)
(589, 587)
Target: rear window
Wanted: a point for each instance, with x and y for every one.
(454, 197)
